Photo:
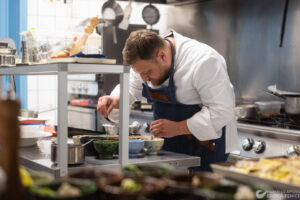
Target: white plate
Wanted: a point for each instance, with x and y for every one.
(29, 139)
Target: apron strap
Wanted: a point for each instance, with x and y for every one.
(171, 79)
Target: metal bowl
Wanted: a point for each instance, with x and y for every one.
(113, 129)
(246, 111)
(134, 128)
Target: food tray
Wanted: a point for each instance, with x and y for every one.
(224, 170)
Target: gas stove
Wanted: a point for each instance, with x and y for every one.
(271, 136)
(282, 120)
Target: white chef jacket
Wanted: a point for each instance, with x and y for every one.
(200, 77)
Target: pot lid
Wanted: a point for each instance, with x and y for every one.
(272, 88)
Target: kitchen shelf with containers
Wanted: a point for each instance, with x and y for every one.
(34, 158)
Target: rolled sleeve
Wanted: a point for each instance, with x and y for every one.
(135, 87)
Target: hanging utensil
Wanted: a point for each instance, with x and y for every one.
(150, 15)
(286, 6)
(113, 15)
(124, 24)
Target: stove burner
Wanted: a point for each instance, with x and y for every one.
(280, 121)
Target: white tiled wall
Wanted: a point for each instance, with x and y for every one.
(55, 17)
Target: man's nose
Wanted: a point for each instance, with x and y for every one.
(144, 77)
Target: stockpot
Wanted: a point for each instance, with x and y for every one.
(75, 153)
(292, 102)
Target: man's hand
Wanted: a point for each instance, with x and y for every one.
(167, 128)
(106, 104)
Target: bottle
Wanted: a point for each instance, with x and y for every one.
(24, 52)
(9, 148)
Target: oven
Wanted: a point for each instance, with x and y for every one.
(261, 136)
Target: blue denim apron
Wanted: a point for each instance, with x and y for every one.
(165, 106)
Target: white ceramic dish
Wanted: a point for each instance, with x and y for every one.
(30, 140)
(31, 133)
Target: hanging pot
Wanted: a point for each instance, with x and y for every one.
(112, 14)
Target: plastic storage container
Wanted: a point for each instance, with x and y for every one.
(269, 107)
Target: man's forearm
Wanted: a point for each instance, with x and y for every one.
(183, 128)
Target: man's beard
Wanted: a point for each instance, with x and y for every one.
(163, 78)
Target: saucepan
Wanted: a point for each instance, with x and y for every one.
(113, 14)
(75, 153)
(292, 100)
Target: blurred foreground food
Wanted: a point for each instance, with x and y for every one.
(281, 169)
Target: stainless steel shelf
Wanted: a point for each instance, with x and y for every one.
(71, 68)
(32, 158)
(62, 70)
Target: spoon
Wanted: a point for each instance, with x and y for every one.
(107, 119)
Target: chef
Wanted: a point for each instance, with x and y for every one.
(192, 96)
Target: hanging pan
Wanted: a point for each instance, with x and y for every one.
(112, 14)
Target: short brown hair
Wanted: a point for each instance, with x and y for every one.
(141, 44)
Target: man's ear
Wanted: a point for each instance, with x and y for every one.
(161, 55)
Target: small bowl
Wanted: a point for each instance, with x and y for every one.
(113, 129)
(134, 128)
(89, 149)
(135, 147)
(153, 145)
(106, 148)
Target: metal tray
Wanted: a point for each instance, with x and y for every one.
(224, 170)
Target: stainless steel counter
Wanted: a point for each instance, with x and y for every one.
(32, 158)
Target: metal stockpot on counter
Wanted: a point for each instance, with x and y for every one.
(75, 153)
(292, 104)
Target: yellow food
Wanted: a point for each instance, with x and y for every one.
(130, 186)
(281, 169)
(62, 54)
(88, 29)
(67, 190)
(25, 178)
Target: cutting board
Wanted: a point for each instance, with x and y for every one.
(83, 60)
